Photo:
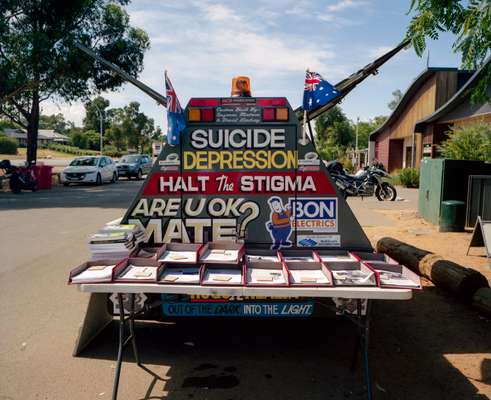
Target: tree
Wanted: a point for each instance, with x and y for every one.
(92, 118)
(78, 139)
(396, 98)
(129, 128)
(471, 142)
(367, 127)
(470, 20)
(38, 58)
(335, 127)
(56, 122)
(334, 133)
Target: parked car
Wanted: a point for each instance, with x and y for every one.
(134, 165)
(94, 169)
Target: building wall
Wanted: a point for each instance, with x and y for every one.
(432, 94)
(382, 148)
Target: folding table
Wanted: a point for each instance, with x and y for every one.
(94, 321)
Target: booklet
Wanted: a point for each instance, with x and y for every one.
(93, 273)
(221, 275)
(178, 256)
(184, 275)
(352, 273)
(396, 276)
(137, 273)
(252, 258)
(226, 252)
(260, 273)
(308, 273)
(219, 255)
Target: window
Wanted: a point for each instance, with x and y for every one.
(129, 159)
(84, 162)
(102, 162)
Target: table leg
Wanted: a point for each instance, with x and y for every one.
(359, 335)
(132, 330)
(365, 339)
(120, 347)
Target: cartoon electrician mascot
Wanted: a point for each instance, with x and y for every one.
(279, 225)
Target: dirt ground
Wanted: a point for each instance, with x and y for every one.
(445, 342)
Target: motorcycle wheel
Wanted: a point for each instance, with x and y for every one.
(386, 192)
(14, 187)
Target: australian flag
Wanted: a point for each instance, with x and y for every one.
(176, 122)
(317, 91)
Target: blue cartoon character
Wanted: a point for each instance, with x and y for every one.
(280, 225)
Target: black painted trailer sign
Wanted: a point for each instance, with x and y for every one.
(242, 172)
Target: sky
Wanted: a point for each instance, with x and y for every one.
(203, 44)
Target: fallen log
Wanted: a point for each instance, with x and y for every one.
(461, 281)
(482, 300)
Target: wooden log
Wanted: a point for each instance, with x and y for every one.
(461, 281)
(482, 300)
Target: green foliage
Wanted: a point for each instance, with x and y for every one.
(71, 150)
(130, 128)
(347, 164)
(335, 128)
(56, 122)
(7, 145)
(78, 139)
(407, 177)
(336, 133)
(469, 20)
(39, 59)
(4, 124)
(112, 151)
(89, 140)
(396, 98)
(367, 127)
(470, 142)
(92, 117)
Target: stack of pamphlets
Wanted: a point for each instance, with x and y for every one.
(115, 241)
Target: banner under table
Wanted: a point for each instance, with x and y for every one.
(97, 316)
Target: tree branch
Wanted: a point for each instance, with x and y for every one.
(12, 118)
(21, 109)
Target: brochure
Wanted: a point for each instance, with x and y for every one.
(308, 273)
(352, 273)
(180, 275)
(221, 275)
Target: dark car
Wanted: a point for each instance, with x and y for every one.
(134, 165)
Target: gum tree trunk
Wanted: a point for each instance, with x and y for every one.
(32, 129)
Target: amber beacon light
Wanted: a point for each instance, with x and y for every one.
(241, 86)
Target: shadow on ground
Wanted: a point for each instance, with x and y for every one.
(118, 195)
(412, 344)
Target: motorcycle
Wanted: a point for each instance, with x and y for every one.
(20, 178)
(366, 183)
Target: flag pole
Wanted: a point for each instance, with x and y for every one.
(304, 130)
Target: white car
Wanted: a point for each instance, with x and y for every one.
(94, 169)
